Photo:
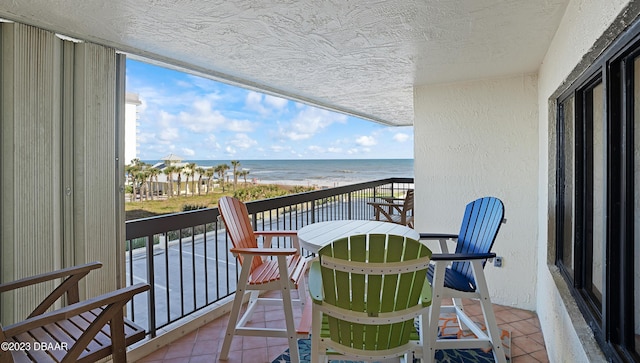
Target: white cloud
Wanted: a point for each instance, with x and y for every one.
(166, 125)
(275, 102)
(264, 104)
(242, 141)
(239, 126)
(278, 148)
(211, 139)
(401, 137)
(253, 98)
(366, 141)
(169, 134)
(188, 152)
(203, 118)
(204, 84)
(253, 101)
(199, 118)
(308, 122)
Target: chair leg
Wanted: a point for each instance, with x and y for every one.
(434, 314)
(316, 326)
(487, 312)
(285, 284)
(119, 354)
(235, 309)
(423, 331)
(302, 292)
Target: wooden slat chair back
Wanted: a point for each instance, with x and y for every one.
(480, 226)
(82, 331)
(236, 220)
(263, 268)
(461, 275)
(395, 210)
(367, 291)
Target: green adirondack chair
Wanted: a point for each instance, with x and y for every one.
(368, 293)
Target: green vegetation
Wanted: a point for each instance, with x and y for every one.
(147, 197)
(258, 192)
(149, 208)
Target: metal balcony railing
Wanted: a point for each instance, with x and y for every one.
(185, 257)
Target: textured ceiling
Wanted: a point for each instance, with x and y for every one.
(357, 57)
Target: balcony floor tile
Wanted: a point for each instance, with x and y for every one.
(203, 345)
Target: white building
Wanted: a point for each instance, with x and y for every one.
(132, 102)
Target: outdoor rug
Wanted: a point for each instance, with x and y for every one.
(448, 329)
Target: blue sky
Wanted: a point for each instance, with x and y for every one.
(200, 119)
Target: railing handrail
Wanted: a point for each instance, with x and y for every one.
(157, 224)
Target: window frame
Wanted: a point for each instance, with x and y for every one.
(614, 69)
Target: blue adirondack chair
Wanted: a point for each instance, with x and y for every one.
(460, 275)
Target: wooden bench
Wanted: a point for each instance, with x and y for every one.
(79, 332)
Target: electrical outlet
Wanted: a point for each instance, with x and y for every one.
(497, 262)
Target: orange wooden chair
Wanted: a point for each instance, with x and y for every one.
(262, 268)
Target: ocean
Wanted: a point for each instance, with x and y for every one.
(327, 173)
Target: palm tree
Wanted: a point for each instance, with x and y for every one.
(153, 175)
(200, 172)
(244, 174)
(179, 171)
(141, 178)
(131, 170)
(189, 171)
(221, 169)
(235, 164)
(168, 171)
(209, 174)
(192, 170)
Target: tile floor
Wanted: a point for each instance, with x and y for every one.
(203, 345)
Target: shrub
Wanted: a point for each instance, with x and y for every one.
(188, 207)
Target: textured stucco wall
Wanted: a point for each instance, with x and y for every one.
(579, 39)
(475, 139)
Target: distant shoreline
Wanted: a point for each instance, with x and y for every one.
(312, 172)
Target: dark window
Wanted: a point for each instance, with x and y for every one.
(598, 228)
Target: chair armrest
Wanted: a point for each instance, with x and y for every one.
(264, 251)
(315, 283)
(438, 236)
(32, 280)
(276, 233)
(461, 256)
(69, 286)
(377, 204)
(121, 295)
(268, 237)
